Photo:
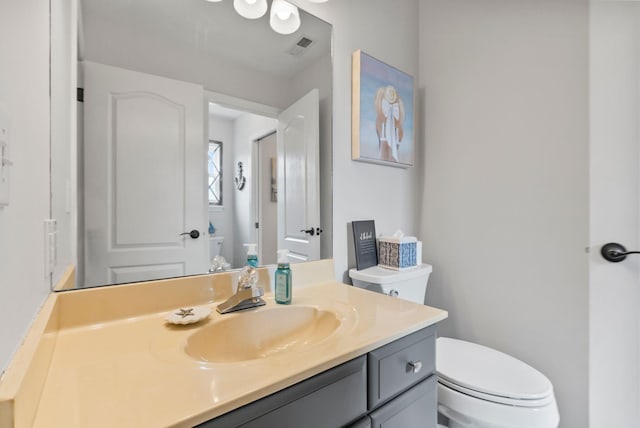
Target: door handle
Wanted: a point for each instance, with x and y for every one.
(311, 231)
(194, 234)
(615, 253)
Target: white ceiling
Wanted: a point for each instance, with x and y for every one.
(213, 29)
(222, 112)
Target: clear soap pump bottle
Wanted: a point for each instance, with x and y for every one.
(252, 255)
(283, 278)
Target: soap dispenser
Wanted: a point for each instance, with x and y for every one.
(252, 255)
(283, 279)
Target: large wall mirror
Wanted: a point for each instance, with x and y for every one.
(181, 131)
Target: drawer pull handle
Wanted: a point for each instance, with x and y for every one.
(414, 366)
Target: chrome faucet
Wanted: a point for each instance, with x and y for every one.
(248, 294)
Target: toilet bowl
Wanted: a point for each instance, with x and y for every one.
(483, 388)
(478, 387)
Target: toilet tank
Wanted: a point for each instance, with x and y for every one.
(409, 284)
(215, 246)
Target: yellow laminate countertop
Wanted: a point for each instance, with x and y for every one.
(134, 372)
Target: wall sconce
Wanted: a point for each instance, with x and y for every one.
(240, 179)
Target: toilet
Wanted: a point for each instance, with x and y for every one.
(215, 245)
(478, 387)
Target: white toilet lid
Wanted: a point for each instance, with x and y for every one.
(489, 374)
(380, 275)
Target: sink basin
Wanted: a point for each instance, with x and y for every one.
(261, 334)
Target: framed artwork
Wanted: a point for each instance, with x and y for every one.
(382, 113)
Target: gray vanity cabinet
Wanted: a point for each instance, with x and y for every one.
(415, 408)
(393, 386)
(330, 399)
(362, 423)
(397, 366)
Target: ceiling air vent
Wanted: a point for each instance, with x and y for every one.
(299, 48)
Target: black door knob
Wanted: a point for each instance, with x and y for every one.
(194, 234)
(615, 253)
(311, 231)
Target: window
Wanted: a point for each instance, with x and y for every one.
(214, 166)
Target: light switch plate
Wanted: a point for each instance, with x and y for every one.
(5, 159)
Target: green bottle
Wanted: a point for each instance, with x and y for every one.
(283, 278)
(252, 255)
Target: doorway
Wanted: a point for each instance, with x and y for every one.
(267, 197)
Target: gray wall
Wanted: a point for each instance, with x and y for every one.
(149, 55)
(505, 214)
(24, 94)
(388, 31)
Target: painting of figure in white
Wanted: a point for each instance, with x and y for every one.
(382, 113)
(389, 118)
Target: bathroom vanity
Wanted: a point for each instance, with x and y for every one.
(337, 356)
(394, 385)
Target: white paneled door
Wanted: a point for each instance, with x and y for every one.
(614, 215)
(298, 181)
(144, 176)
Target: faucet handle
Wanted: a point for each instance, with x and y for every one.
(248, 278)
(257, 292)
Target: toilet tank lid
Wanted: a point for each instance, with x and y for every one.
(489, 371)
(380, 275)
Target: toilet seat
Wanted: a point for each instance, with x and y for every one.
(497, 398)
(490, 375)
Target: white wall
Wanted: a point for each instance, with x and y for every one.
(63, 132)
(246, 129)
(221, 129)
(24, 89)
(386, 30)
(615, 212)
(505, 213)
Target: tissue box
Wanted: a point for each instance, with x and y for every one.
(398, 253)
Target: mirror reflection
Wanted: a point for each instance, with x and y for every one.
(193, 132)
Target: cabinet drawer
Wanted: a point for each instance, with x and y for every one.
(414, 408)
(390, 368)
(331, 399)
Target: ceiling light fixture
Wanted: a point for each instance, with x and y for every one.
(285, 17)
(250, 9)
(312, 1)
